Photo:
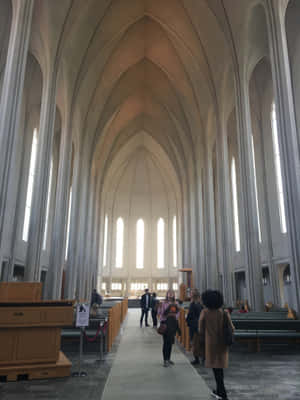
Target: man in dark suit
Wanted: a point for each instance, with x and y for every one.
(145, 306)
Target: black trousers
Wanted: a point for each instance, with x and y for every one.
(167, 346)
(219, 377)
(144, 313)
(192, 331)
(154, 317)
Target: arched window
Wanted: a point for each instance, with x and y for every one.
(48, 206)
(174, 242)
(30, 185)
(255, 188)
(140, 232)
(278, 169)
(235, 206)
(160, 243)
(119, 243)
(105, 241)
(68, 223)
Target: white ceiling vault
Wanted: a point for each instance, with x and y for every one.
(130, 67)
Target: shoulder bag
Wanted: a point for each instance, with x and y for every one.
(227, 330)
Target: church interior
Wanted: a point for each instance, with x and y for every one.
(147, 144)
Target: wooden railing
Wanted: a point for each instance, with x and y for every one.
(116, 316)
(184, 339)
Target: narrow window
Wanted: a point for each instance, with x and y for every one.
(105, 241)
(103, 286)
(174, 242)
(48, 206)
(160, 244)
(255, 188)
(278, 170)
(30, 186)
(140, 231)
(119, 243)
(235, 206)
(175, 286)
(68, 224)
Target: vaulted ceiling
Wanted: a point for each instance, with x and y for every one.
(131, 66)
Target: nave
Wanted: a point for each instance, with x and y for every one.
(138, 370)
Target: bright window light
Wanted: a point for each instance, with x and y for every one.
(119, 243)
(68, 224)
(277, 161)
(174, 242)
(140, 232)
(48, 206)
(160, 243)
(235, 206)
(30, 185)
(255, 188)
(105, 241)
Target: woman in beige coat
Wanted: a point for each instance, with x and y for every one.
(211, 330)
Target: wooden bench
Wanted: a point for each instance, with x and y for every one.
(256, 329)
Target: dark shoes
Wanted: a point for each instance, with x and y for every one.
(216, 396)
(195, 362)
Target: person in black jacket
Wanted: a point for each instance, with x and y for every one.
(96, 298)
(145, 307)
(154, 308)
(193, 317)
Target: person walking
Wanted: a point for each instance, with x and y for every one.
(211, 330)
(168, 314)
(154, 308)
(192, 320)
(145, 307)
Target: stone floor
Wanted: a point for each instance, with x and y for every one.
(270, 375)
(273, 374)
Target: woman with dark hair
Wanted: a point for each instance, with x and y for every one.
(168, 313)
(192, 320)
(211, 330)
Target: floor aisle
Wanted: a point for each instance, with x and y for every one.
(137, 372)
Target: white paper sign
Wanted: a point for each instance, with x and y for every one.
(82, 314)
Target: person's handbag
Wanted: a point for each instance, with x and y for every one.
(227, 330)
(162, 329)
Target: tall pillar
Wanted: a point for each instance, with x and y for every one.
(11, 98)
(59, 228)
(225, 214)
(41, 179)
(251, 245)
(287, 134)
(210, 278)
(71, 268)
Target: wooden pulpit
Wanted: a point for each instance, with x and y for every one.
(30, 333)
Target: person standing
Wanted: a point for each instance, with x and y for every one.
(168, 314)
(154, 308)
(211, 330)
(96, 298)
(192, 320)
(145, 306)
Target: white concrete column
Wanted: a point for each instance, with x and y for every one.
(225, 206)
(287, 134)
(210, 277)
(41, 179)
(71, 268)
(251, 245)
(11, 97)
(60, 221)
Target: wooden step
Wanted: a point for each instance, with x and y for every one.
(60, 369)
